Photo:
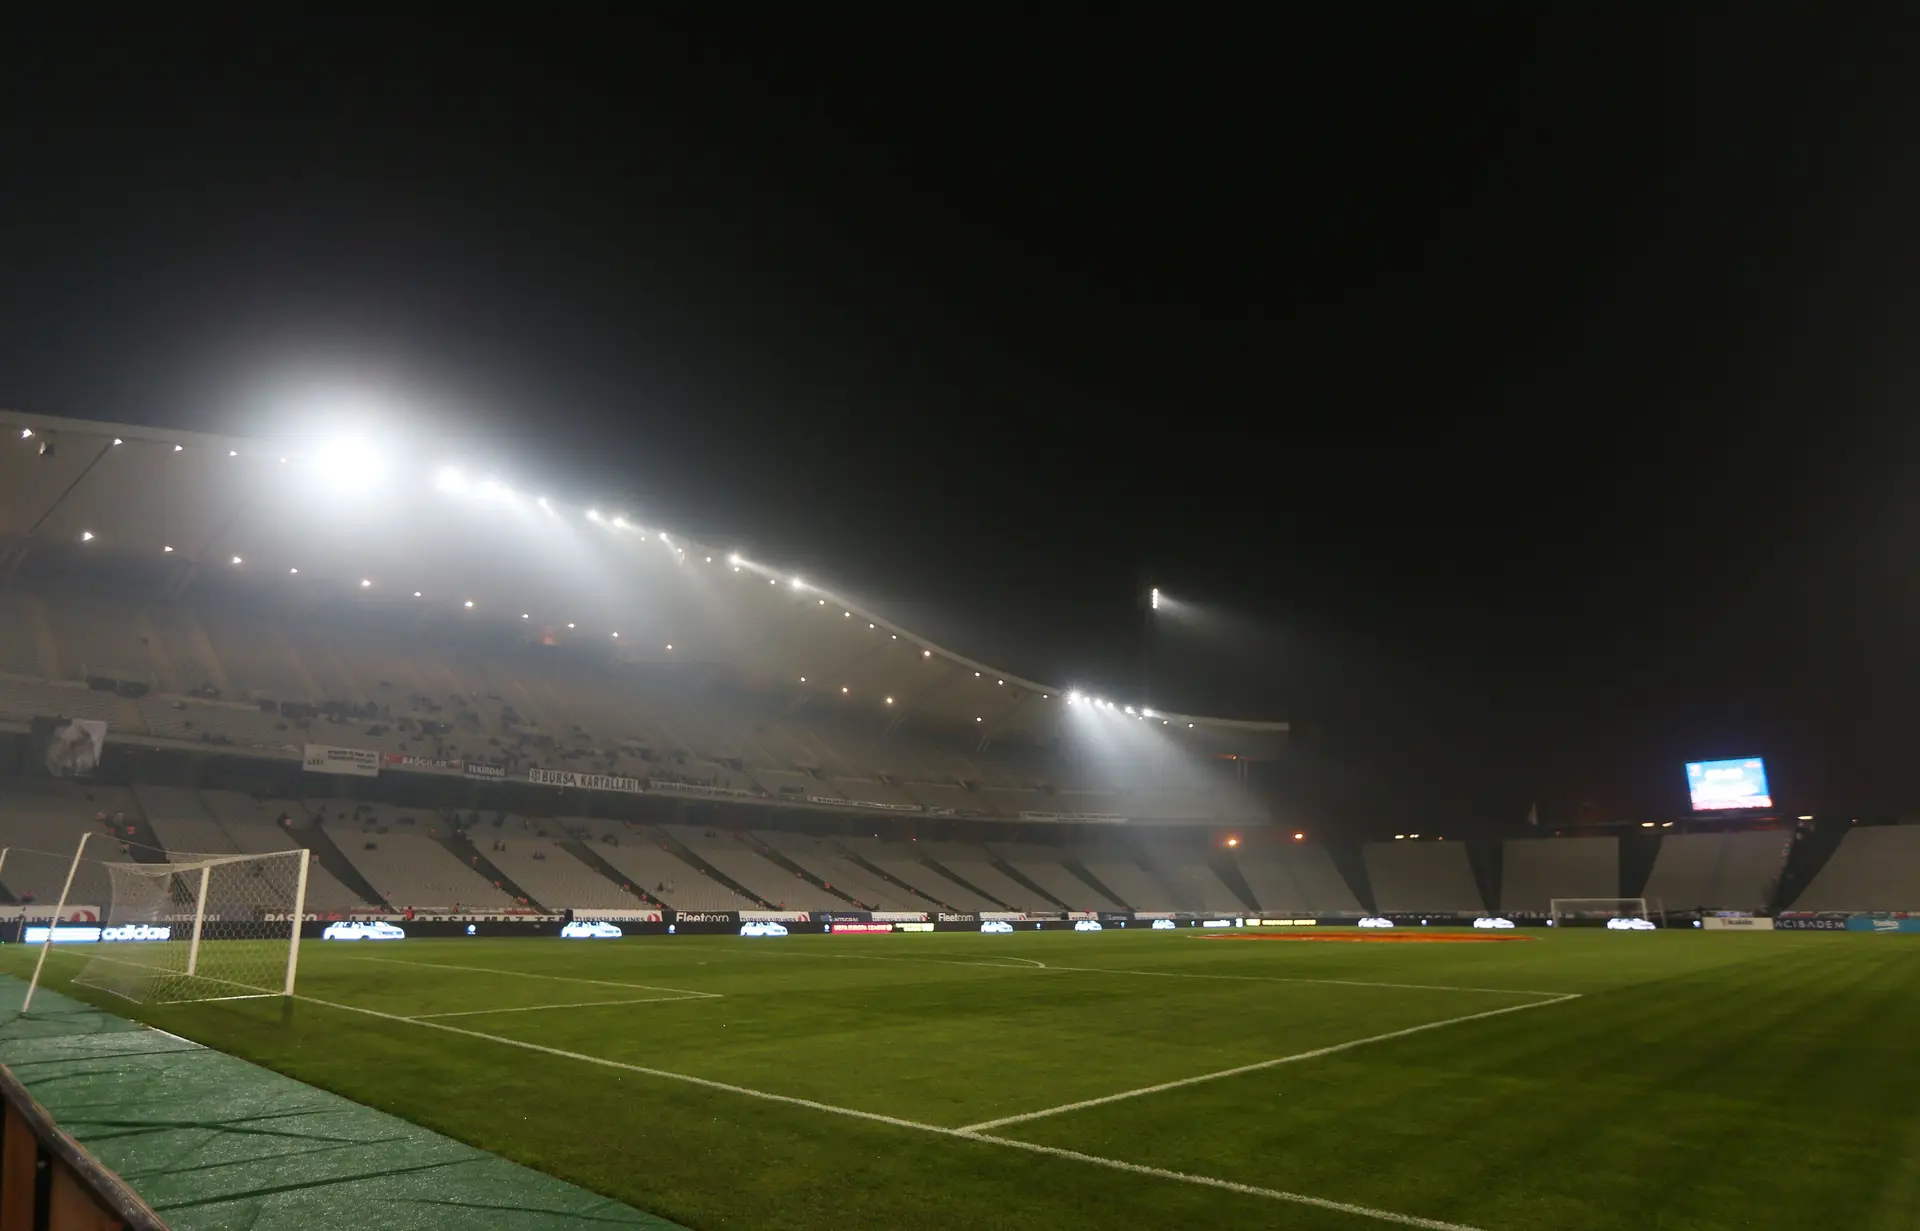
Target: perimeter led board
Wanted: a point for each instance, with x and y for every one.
(1719, 785)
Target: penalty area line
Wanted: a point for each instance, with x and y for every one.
(1114, 1164)
(578, 1004)
(1257, 1066)
(689, 993)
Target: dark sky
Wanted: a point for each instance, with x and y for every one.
(1528, 398)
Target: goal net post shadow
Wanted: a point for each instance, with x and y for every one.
(1563, 911)
(194, 927)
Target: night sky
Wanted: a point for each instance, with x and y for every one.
(1527, 401)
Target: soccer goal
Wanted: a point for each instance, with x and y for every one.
(1564, 911)
(197, 927)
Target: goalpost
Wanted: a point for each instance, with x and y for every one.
(198, 927)
(1591, 910)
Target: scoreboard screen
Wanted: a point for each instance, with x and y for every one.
(1718, 785)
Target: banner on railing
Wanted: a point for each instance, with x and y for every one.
(355, 762)
(406, 760)
(634, 915)
(659, 786)
(1091, 818)
(774, 916)
(583, 782)
(493, 771)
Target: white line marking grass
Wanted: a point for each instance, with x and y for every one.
(1315, 1054)
(578, 1004)
(977, 1132)
(527, 974)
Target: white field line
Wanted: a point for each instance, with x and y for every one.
(1315, 1054)
(1273, 1194)
(578, 1004)
(1411, 987)
(527, 974)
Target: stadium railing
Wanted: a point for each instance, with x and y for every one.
(48, 1180)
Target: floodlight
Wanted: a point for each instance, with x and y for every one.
(847, 614)
(734, 559)
(117, 440)
(233, 453)
(926, 653)
(364, 583)
(350, 463)
(1646, 824)
(293, 571)
(616, 636)
(799, 584)
(1129, 709)
(1233, 842)
(709, 559)
(26, 433)
(525, 616)
(823, 602)
(1299, 837)
(469, 603)
(542, 502)
(450, 479)
(669, 645)
(889, 700)
(178, 448)
(803, 679)
(86, 536)
(236, 559)
(164, 550)
(620, 523)
(843, 690)
(979, 720)
(1154, 598)
(1147, 713)
(416, 594)
(1189, 726)
(593, 514)
(569, 626)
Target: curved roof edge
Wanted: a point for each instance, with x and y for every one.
(52, 425)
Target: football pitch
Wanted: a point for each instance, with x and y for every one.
(1578, 1079)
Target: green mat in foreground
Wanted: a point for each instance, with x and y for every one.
(210, 1141)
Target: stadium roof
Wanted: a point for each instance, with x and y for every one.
(342, 522)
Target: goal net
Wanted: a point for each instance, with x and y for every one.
(199, 927)
(1564, 911)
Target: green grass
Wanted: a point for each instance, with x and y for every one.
(1698, 1081)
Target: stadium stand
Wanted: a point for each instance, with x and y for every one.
(40, 825)
(1716, 871)
(542, 865)
(1296, 880)
(1411, 877)
(734, 858)
(1042, 865)
(643, 857)
(1875, 867)
(902, 861)
(254, 828)
(1191, 882)
(181, 821)
(398, 852)
(826, 861)
(1125, 878)
(975, 866)
(1534, 871)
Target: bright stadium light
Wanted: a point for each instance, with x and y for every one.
(293, 572)
(86, 536)
(365, 583)
(26, 433)
(593, 514)
(1299, 837)
(450, 479)
(620, 523)
(843, 690)
(889, 700)
(350, 463)
(616, 636)
(799, 584)
(803, 679)
(469, 604)
(1153, 600)
(1129, 709)
(525, 616)
(118, 441)
(165, 550)
(179, 448)
(669, 647)
(569, 625)
(416, 594)
(233, 453)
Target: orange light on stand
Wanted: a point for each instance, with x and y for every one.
(1233, 842)
(1299, 837)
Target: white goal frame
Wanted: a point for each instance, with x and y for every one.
(1560, 909)
(197, 871)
